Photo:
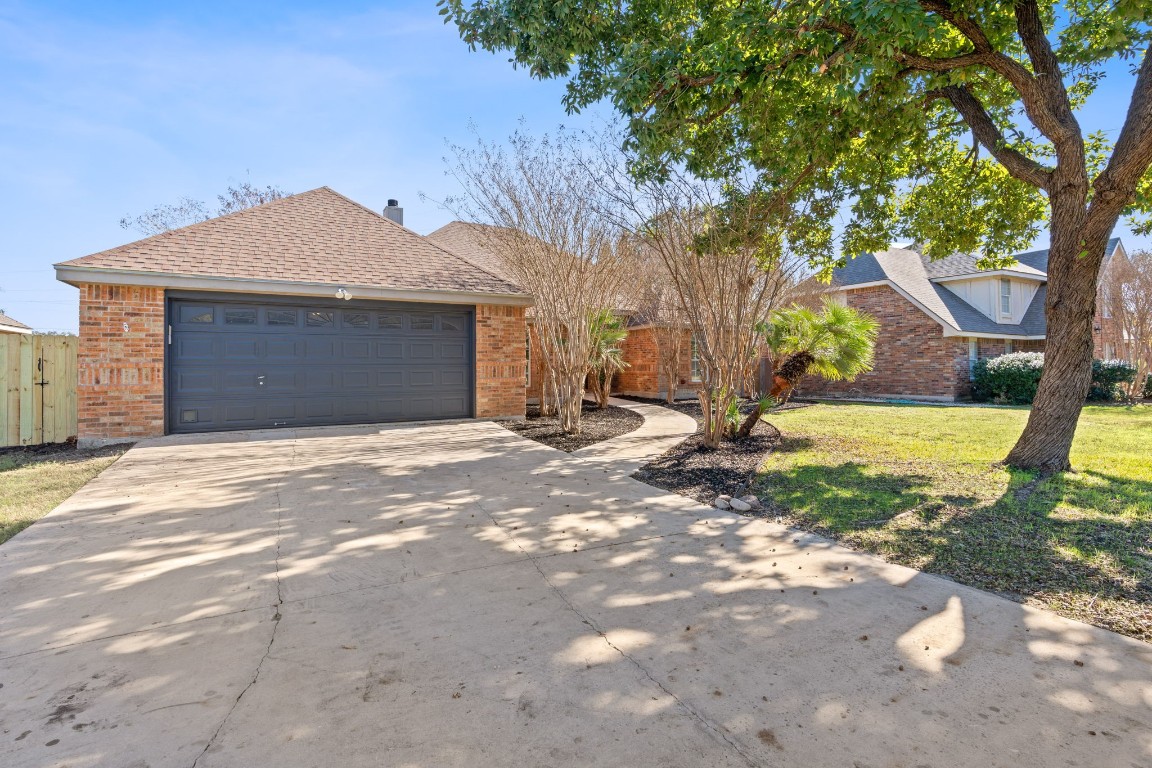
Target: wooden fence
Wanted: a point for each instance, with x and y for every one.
(37, 389)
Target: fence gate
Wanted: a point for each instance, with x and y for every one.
(37, 389)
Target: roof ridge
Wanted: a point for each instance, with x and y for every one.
(417, 234)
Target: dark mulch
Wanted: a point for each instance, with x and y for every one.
(46, 449)
(596, 425)
(701, 473)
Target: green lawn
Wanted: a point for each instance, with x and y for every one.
(32, 484)
(921, 486)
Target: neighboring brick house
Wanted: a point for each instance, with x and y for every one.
(641, 378)
(9, 325)
(938, 318)
(310, 310)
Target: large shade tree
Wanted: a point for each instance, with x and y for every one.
(953, 123)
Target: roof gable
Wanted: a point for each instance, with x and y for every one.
(12, 324)
(318, 236)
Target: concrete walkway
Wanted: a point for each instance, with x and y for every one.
(455, 595)
(620, 456)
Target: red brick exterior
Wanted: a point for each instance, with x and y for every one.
(120, 366)
(642, 377)
(499, 361)
(913, 357)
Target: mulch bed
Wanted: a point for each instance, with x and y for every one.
(692, 470)
(596, 425)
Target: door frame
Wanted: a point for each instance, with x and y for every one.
(171, 296)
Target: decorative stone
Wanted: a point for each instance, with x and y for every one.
(740, 505)
(723, 502)
(752, 501)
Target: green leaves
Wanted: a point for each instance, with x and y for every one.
(837, 342)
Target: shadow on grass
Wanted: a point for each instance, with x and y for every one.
(1077, 542)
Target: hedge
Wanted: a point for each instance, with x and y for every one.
(1013, 378)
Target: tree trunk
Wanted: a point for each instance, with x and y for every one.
(1074, 259)
(570, 400)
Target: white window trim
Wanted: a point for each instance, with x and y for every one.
(1005, 283)
(695, 362)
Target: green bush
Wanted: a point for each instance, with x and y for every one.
(1008, 379)
(1148, 387)
(1107, 376)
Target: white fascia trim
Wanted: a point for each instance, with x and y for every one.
(14, 329)
(1013, 337)
(73, 275)
(1039, 278)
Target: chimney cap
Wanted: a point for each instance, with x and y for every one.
(393, 203)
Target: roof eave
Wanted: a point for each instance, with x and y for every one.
(76, 275)
(1038, 277)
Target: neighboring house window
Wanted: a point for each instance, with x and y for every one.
(1005, 296)
(973, 356)
(697, 374)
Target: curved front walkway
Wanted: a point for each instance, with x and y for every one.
(620, 456)
(455, 595)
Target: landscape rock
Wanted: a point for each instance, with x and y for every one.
(740, 505)
(752, 502)
(723, 502)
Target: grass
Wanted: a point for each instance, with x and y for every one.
(32, 483)
(922, 486)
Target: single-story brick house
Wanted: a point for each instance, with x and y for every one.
(310, 310)
(10, 325)
(642, 377)
(938, 318)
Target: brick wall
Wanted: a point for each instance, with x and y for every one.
(499, 361)
(642, 377)
(913, 357)
(120, 386)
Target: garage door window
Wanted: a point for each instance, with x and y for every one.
(190, 314)
(317, 319)
(423, 323)
(391, 322)
(240, 317)
(281, 317)
(355, 319)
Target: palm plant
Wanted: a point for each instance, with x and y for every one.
(606, 359)
(835, 343)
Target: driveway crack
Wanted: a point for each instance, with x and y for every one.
(715, 730)
(275, 617)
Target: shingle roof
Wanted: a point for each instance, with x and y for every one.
(12, 323)
(313, 237)
(910, 272)
(469, 241)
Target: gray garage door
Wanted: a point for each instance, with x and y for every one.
(236, 365)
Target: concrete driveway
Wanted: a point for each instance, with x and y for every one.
(454, 595)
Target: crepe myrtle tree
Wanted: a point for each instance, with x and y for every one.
(549, 228)
(727, 266)
(955, 123)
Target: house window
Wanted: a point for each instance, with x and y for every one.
(1005, 296)
(527, 357)
(697, 372)
(973, 356)
(1009, 347)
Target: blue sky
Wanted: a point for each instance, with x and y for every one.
(112, 108)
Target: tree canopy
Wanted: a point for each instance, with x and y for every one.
(950, 122)
(880, 106)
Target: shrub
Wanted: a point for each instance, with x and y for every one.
(1148, 387)
(1107, 376)
(1009, 378)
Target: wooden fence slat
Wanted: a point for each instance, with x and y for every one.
(31, 413)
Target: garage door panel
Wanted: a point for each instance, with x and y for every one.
(248, 365)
